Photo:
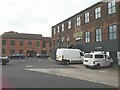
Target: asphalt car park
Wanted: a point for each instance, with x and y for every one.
(106, 75)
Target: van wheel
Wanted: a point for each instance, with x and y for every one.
(98, 66)
(87, 66)
(68, 62)
(62, 62)
(111, 64)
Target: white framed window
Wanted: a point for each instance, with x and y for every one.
(111, 7)
(87, 17)
(62, 27)
(58, 29)
(87, 37)
(98, 13)
(63, 40)
(98, 35)
(58, 42)
(78, 21)
(113, 32)
(68, 40)
(69, 24)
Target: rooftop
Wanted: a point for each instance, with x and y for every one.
(16, 35)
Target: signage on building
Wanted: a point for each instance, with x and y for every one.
(100, 48)
(78, 35)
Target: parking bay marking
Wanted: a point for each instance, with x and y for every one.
(29, 66)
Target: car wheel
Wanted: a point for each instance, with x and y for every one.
(98, 66)
(87, 66)
(63, 62)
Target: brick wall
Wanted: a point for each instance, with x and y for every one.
(17, 46)
(101, 23)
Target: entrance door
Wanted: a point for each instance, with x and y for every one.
(113, 55)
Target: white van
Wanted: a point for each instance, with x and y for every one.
(97, 60)
(66, 56)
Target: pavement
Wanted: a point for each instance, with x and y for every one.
(107, 76)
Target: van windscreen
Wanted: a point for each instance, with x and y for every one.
(88, 56)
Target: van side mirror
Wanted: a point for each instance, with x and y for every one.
(108, 58)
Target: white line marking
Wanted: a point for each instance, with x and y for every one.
(29, 66)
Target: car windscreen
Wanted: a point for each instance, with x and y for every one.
(98, 56)
(88, 56)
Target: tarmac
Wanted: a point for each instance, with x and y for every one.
(107, 76)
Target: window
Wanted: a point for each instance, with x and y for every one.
(21, 51)
(12, 42)
(62, 40)
(98, 35)
(29, 43)
(87, 19)
(107, 57)
(58, 29)
(37, 44)
(21, 42)
(99, 56)
(3, 42)
(44, 43)
(68, 40)
(3, 51)
(62, 27)
(69, 25)
(88, 56)
(113, 32)
(78, 21)
(111, 7)
(12, 51)
(98, 12)
(87, 37)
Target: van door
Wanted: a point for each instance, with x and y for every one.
(107, 60)
(100, 58)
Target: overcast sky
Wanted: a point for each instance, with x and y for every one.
(37, 16)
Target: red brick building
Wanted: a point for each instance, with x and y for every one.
(47, 44)
(27, 44)
(96, 27)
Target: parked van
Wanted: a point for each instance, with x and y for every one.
(66, 56)
(97, 60)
